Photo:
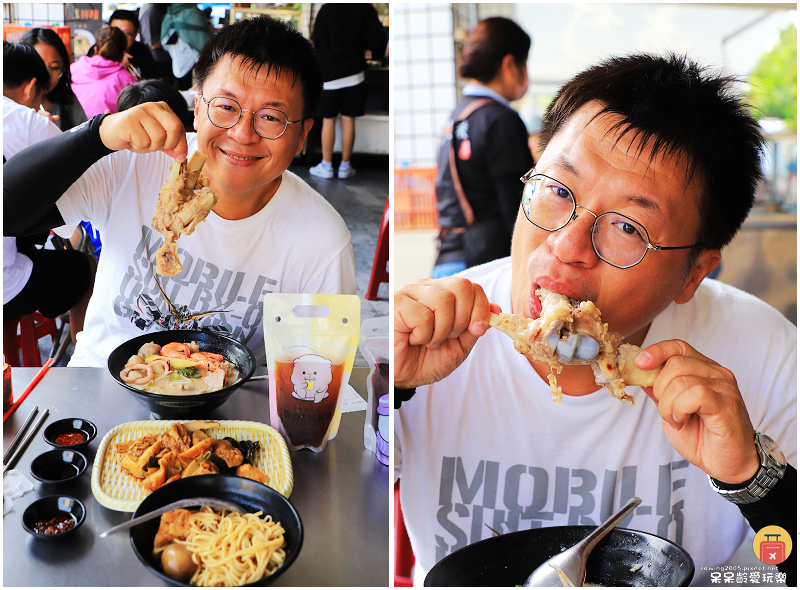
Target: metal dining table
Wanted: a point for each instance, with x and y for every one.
(341, 493)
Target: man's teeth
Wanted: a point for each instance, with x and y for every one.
(238, 158)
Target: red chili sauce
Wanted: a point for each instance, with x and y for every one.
(70, 438)
(57, 524)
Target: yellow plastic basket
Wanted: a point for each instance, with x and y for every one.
(118, 490)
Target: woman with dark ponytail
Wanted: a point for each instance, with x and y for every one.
(60, 101)
(98, 77)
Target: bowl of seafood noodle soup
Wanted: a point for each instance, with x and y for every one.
(185, 404)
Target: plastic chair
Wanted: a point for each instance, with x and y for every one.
(403, 555)
(380, 272)
(31, 327)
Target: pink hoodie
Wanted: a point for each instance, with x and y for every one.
(97, 81)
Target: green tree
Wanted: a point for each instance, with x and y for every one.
(774, 81)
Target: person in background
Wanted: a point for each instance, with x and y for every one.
(259, 86)
(51, 282)
(488, 144)
(138, 54)
(150, 18)
(184, 31)
(98, 78)
(342, 34)
(60, 102)
(650, 166)
(155, 91)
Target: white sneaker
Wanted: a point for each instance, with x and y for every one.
(321, 170)
(346, 172)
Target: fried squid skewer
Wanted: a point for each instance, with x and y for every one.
(181, 206)
(571, 333)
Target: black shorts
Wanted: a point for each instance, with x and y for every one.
(348, 102)
(60, 278)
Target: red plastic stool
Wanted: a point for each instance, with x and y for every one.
(31, 327)
(380, 274)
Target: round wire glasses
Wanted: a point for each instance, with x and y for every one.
(268, 123)
(617, 239)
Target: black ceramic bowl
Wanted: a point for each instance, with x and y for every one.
(248, 494)
(67, 425)
(58, 465)
(188, 406)
(49, 507)
(508, 560)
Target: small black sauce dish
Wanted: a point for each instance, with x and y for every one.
(46, 509)
(58, 466)
(66, 427)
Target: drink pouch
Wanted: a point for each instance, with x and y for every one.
(374, 347)
(311, 343)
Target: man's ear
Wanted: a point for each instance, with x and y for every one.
(706, 262)
(307, 125)
(30, 92)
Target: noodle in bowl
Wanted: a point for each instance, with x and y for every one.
(232, 548)
(253, 548)
(196, 405)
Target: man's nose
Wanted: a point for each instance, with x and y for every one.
(244, 131)
(572, 244)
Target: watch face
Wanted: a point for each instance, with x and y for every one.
(771, 448)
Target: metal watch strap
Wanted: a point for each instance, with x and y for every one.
(768, 474)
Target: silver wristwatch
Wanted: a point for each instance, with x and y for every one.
(773, 466)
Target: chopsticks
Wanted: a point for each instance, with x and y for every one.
(26, 441)
(18, 435)
(30, 387)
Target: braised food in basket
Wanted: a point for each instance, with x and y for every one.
(186, 450)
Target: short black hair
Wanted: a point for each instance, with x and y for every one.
(685, 111)
(62, 92)
(21, 63)
(488, 43)
(155, 91)
(265, 41)
(128, 15)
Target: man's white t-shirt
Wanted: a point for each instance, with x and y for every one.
(297, 243)
(488, 446)
(22, 127)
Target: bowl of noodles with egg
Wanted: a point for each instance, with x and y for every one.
(191, 548)
(196, 373)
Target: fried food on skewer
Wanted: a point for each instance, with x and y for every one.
(571, 333)
(183, 202)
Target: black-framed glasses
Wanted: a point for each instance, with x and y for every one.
(617, 239)
(225, 113)
(56, 70)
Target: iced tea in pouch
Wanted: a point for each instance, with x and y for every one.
(311, 343)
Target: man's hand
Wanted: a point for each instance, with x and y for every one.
(436, 324)
(148, 127)
(43, 113)
(702, 411)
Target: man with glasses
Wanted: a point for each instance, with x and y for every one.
(259, 83)
(139, 55)
(650, 166)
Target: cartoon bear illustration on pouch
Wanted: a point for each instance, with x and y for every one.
(311, 376)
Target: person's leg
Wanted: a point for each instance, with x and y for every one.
(77, 313)
(353, 105)
(328, 110)
(61, 280)
(348, 137)
(328, 138)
